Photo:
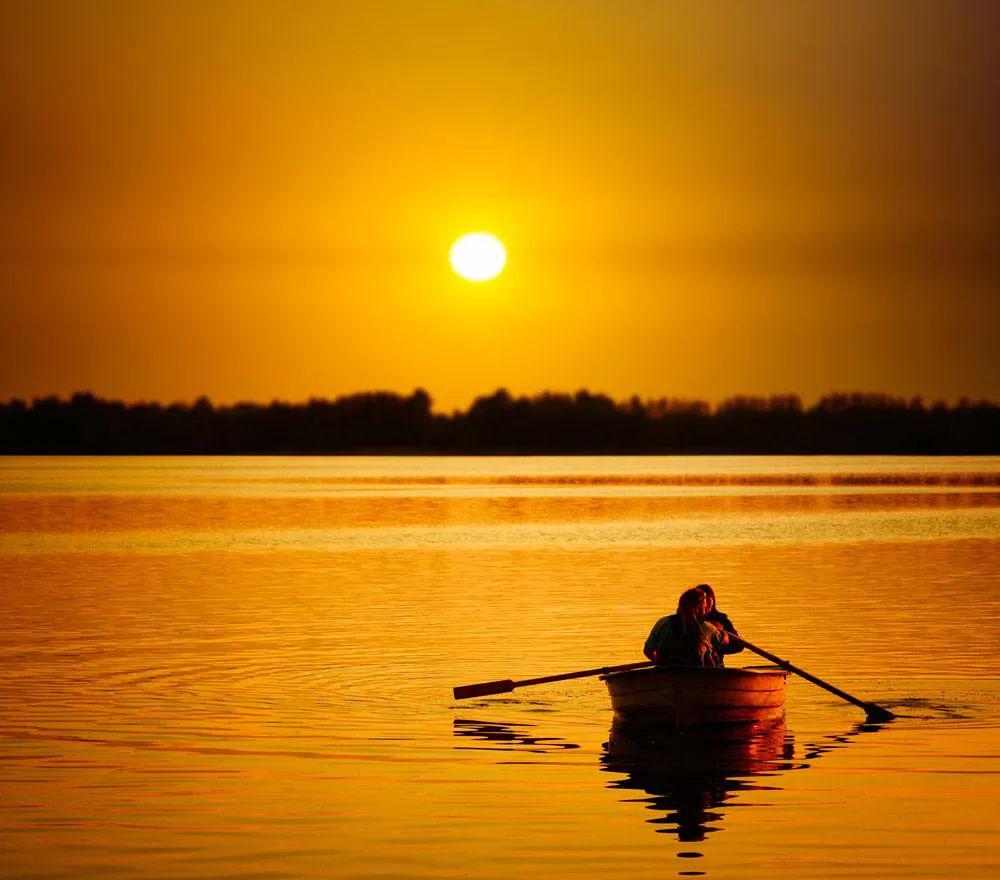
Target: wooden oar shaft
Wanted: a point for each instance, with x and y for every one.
(603, 670)
(505, 686)
(870, 708)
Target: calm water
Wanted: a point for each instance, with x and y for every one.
(218, 668)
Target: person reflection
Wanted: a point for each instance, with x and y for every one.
(691, 774)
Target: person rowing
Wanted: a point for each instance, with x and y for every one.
(721, 620)
(686, 638)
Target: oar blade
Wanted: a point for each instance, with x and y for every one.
(483, 689)
(877, 714)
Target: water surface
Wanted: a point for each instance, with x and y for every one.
(242, 667)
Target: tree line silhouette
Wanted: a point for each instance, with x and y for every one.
(500, 423)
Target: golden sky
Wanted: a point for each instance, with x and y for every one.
(256, 200)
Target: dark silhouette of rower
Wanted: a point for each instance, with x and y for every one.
(730, 646)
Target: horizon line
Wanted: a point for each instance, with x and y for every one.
(789, 397)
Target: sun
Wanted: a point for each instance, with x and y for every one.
(478, 256)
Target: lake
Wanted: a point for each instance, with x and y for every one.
(242, 667)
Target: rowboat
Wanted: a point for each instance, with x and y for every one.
(691, 695)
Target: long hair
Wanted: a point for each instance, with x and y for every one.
(689, 612)
(708, 591)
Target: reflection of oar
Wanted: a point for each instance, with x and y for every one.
(874, 712)
(505, 686)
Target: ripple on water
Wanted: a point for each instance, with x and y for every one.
(272, 686)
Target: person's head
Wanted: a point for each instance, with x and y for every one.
(709, 594)
(692, 606)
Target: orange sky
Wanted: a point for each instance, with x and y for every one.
(253, 201)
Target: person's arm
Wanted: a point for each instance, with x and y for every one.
(716, 633)
(730, 646)
(653, 641)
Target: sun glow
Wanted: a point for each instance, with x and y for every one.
(478, 256)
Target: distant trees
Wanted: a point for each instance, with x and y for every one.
(550, 422)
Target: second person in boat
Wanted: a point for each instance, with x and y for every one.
(721, 621)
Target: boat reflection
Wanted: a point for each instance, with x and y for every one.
(690, 774)
(693, 774)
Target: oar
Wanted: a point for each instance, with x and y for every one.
(505, 686)
(873, 711)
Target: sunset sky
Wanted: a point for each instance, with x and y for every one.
(257, 200)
